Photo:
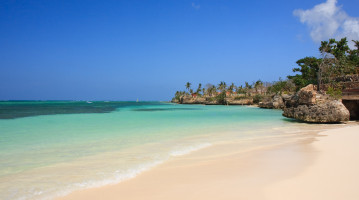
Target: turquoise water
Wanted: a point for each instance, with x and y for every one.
(49, 149)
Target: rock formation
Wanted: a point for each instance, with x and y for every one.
(191, 100)
(212, 100)
(242, 101)
(275, 102)
(309, 106)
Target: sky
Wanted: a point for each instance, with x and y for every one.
(124, 50)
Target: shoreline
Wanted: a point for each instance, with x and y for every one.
(333, 175)
(257, 174)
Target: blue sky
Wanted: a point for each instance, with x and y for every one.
(124, 50)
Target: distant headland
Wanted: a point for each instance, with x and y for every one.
(323, 90)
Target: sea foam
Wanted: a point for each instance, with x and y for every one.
(118, 176)
(187, 150)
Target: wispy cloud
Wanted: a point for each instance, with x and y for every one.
(195, 6)
(327, 20)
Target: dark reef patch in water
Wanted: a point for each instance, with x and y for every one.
(163, 109)
(18, 109)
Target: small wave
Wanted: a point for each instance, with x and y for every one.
(118, 176)
(122, 175)
(187, 150)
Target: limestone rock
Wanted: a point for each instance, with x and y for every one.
(327, 112)
(191, 100)
(187, 99)
(308, 106)
(276, 102)
(307, 95)
(244, 101)
(175, 100)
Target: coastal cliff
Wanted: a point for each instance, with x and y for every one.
(307, 104)
(186, 99)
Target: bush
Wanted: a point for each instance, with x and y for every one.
(239, 98)
(335, 93)
(221, 98)
(282, 86)
(257, 98)
(210, 99)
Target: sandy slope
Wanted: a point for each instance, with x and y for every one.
(333, 175)
(323, 169)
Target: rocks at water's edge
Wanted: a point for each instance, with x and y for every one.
(191, 100)
(243, 101)
(309, 106)
(328, 112)
(306, 105)
(212, 101)
(275, 102)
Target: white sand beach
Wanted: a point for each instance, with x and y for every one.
(325, 167)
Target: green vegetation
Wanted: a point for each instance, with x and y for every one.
(188, 86)
(221, 98)
(257, 98)
(257, 85)
(222, 86)
(239, 98)
(282, 86)
(210, 99)
(334, 93)
(178, 96)
(199, 89)
(336, 60)
(308, 69)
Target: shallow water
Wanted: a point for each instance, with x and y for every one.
(49, 149)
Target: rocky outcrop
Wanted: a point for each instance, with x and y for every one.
(212, 100)
(242, 101)
(191, 100)
(348, 78)
(327, 112)
(345, 82)
(274, 102)
(175, 100)
(309, 106)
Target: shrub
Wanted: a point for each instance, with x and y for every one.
(239, 98)
(335, 93)
(257, 98)
(221, 98)
(210, 99)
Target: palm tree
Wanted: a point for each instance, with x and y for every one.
(204, 91)
(239, 89)
(258, 84)
(231, 88)
(188, 86)
(247, 88)
(212, 90)
(222, 86)
(199, 88)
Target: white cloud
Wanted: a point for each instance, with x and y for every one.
(197, 7)
(327, 20)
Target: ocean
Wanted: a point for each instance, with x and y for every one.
(51, 148)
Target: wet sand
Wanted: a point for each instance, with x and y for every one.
(322, 167)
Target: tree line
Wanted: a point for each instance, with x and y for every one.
(336, 60)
